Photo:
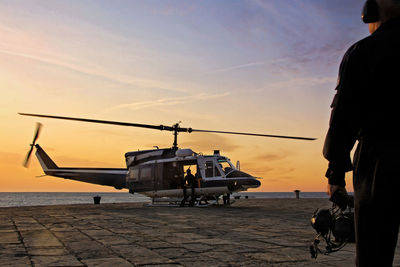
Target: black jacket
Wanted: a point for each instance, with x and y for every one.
(190, 179)
(366, 104)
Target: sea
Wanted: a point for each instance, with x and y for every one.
(18, 199)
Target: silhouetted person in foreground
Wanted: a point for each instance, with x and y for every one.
(366, 108)
(191, 182)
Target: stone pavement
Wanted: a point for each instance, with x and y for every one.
(252, 232)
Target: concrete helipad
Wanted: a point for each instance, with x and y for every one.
(252, 232)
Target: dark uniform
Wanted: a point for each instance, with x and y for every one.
(366, 108)
(190, 179)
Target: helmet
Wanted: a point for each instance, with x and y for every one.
(370, 12)
(343, 227)
(321, 221)
(333, 226)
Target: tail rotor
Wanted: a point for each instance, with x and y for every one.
(37, 132)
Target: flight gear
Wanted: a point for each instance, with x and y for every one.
(335, 226)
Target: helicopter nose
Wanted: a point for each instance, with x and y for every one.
(253, 183)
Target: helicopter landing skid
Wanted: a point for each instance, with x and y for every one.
(203, 202)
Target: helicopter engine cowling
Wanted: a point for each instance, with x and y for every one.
(187, 152)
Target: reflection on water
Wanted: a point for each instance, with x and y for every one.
(45, 198)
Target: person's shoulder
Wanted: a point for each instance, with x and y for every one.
(367, 41)
(358, 49)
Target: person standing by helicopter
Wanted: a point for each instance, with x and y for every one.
(190, 180)
(365, 108)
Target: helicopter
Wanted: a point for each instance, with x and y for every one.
(160, 173)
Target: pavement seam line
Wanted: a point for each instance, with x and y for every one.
(59, 240)
(109, 248)
(173, 261)
(21, 239)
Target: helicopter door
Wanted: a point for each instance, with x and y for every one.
(158, 176)
(211, 169)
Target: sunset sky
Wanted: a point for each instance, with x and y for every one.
(252, 66)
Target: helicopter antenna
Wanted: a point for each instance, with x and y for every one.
(174, 128)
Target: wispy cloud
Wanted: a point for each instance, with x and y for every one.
(311, 34)
(170, 101)
(5, 29)
(9, 158)
(270, 157)
(301, 83)
(266, 63)
(120, 79)
(67, 161)
(268, 172)
(204, 142)
(242, 66)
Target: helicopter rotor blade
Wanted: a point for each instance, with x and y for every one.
(36, 136)
(174, 128)
(157, 127)
(37, 133)
(28, 156)
(255, 134)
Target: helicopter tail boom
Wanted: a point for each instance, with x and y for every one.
(45, 161)
(102, 176)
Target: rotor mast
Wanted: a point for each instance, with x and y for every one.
(175, 144)
(176, 129)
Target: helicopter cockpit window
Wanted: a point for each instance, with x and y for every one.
(145, 173)
(209, 169)
(225, 165)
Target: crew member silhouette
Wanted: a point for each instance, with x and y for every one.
(190, 180)
(366, 109)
